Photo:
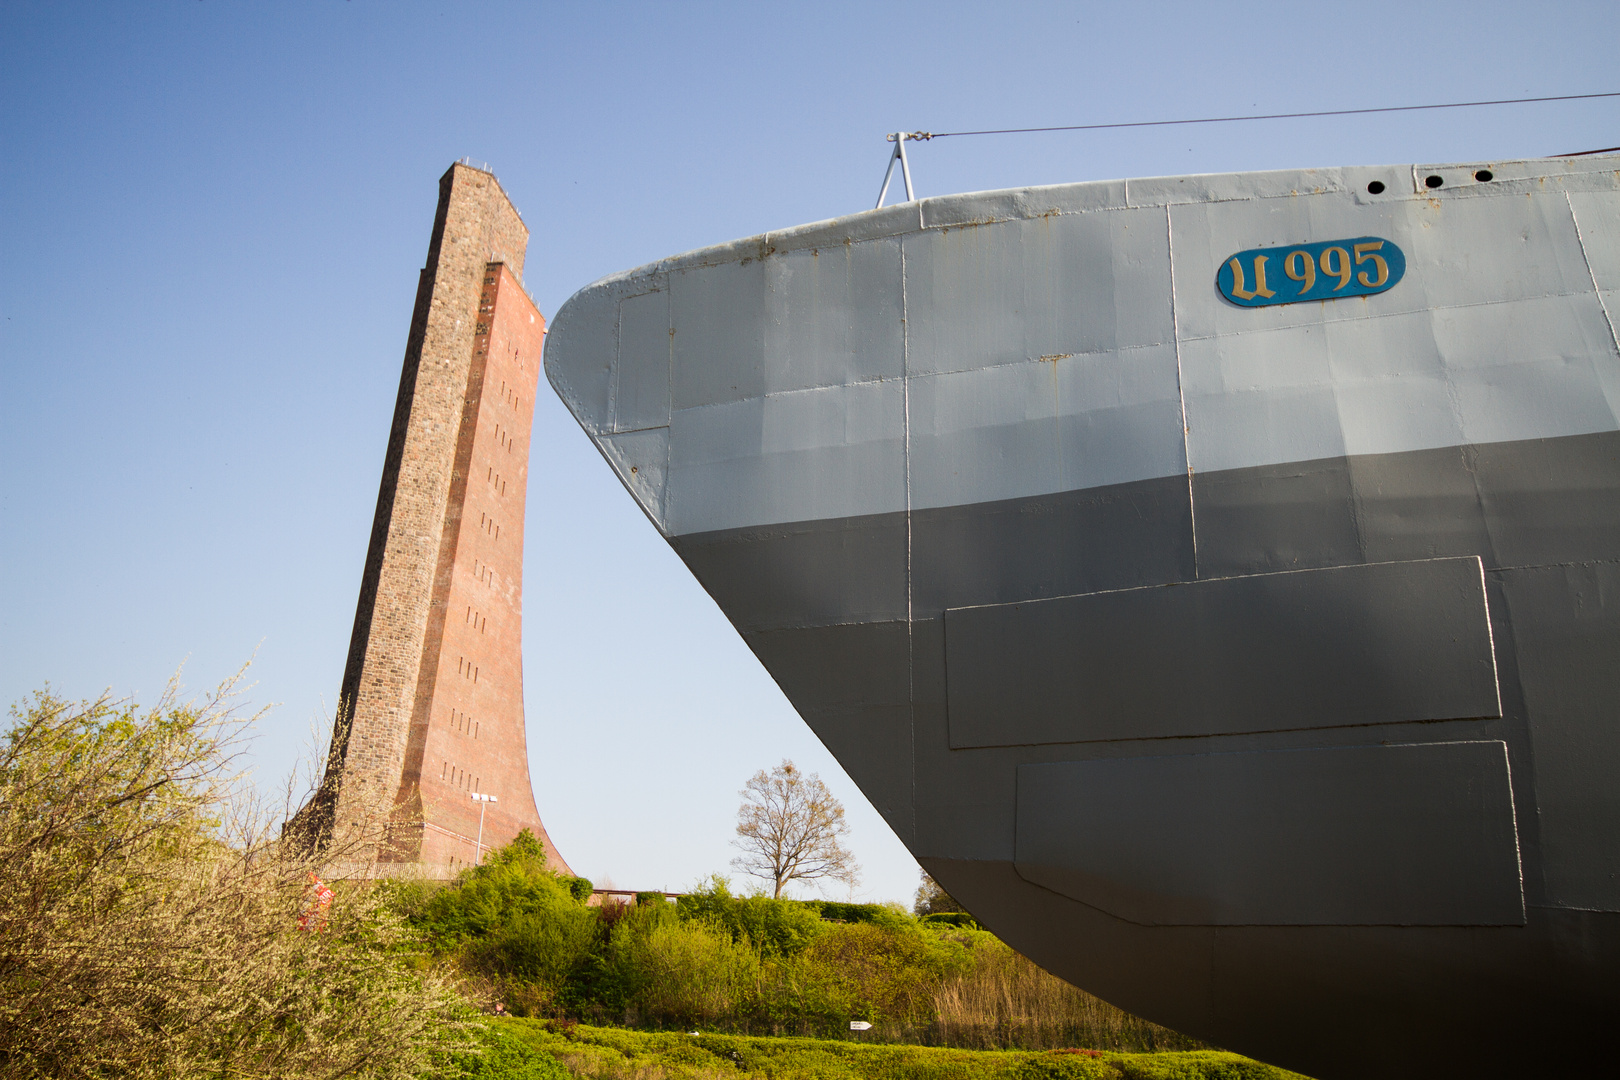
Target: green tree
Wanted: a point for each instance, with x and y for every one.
(932, 899)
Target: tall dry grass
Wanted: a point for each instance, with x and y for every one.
(1008, 1002)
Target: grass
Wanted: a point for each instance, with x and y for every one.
(534, 1047)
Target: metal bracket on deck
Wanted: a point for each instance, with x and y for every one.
(899, 139)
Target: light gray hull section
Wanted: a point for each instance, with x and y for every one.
(1257, 669)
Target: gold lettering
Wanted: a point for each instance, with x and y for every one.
(1260, 289)
(1364, 254)
(1343, 270)
(1291, 267)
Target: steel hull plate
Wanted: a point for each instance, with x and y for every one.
(1256, 668)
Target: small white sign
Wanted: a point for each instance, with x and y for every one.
(860, 1025)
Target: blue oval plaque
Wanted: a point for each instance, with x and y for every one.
(1325, 270)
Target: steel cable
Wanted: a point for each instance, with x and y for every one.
(926, 135)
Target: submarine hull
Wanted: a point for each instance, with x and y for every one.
(1256, 668)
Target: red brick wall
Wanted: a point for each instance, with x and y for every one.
(431, 706)
(470, 696)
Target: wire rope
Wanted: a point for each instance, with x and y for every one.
(926, 135)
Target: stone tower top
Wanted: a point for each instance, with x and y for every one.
(477, 221)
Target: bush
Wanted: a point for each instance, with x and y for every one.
(149, 921)
(952, 918)
(515, 922)
(681, 972)
(862, 971)
(890, 915)
(775, 928)
(501, 1056)
(758, 964)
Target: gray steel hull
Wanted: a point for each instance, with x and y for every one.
(1310, 754)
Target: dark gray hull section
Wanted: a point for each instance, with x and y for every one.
(1483, 940)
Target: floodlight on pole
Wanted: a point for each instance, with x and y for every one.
(483, 802)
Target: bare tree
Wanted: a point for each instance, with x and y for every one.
(790, 828)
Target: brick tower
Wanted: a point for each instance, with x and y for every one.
(431, 708)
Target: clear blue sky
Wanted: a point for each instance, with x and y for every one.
(212, 215)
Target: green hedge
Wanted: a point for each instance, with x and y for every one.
(504, 1055)
(620, 1054)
